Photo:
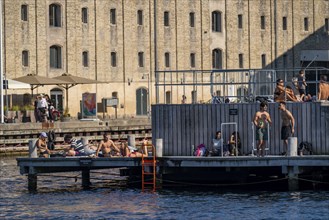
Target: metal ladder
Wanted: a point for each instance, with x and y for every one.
(149, 170)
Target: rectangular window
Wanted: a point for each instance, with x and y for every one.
(284, 23)
(113, 16)
(240, 60)
(25, 58)
(85, 59)
(217, 21)
(140, 17)
(167, 60)
(141, 59)
(84, 15)
(240, 21)
(24, 12)
(192, 60)
(192, 16)
(326, 24)
(166, 18)
(113, 59)
(305, 24)
(263, 60)
(262, 22)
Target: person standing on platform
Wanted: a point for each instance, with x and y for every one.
(302, 84)
(261, 120)
(287, 127)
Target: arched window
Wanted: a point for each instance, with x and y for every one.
(168, 97)
(24, 12)
(167, 59)
(216, 21)
(25, 58)
(55, 15)
(217, 59)
(141, 101)
(85, 59)
(113, 59)
(141, 59)
(55, 57)
(84, 15)
(140, 17)
(166, 18)
(192, 19)
(194, 96)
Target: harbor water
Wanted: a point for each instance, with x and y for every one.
(60, 196)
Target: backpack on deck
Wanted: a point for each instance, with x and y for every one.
(201, 151)
(305, 148)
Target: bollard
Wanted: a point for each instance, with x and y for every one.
(292, 146)
(33, 153)
(159, 148)
(131, 140)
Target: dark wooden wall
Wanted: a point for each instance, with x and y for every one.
(181, 126)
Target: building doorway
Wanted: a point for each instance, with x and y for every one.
(56, 96)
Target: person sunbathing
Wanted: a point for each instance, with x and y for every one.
(133, 152)
(283, 94)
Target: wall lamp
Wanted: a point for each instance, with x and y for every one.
(130, 81)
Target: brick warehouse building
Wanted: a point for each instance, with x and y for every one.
(115, 42)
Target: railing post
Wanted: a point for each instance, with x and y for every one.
(159, 148)
(131, 140)
(33, 149)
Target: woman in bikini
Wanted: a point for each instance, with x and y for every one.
(42, 145)
(133, 152)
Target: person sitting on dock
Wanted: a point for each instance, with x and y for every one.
(235, 143)
(323, 88)
(41, 144)
(261, 120)
(133, 152)
(217, 144)
(107, 148)
(282, 93)
(77, 148)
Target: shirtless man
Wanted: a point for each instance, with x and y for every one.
(288, 124)
(107, 146)
(261, 120)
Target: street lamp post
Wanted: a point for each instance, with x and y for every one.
(148, 94)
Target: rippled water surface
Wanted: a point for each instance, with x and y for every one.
(61, 197)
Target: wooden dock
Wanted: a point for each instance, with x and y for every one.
(180, 127)
(188, 168)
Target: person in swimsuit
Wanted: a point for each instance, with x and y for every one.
(261, 120)
(77, 148)
(133, 152)
(41, 144)
(288, 124)
(108, 148)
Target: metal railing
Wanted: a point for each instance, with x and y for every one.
(236, 85)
